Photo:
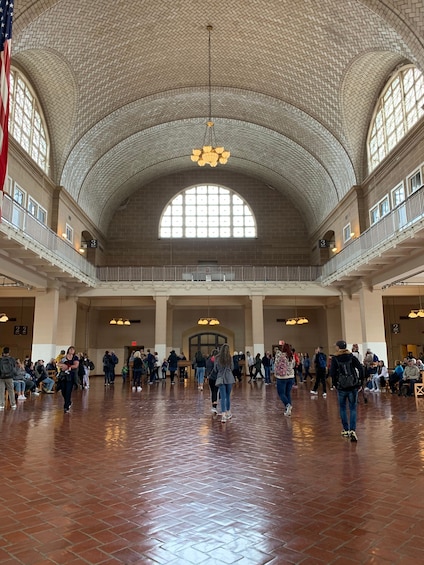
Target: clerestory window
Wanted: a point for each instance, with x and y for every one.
(399, 107)
(26, 123)
(207, 211)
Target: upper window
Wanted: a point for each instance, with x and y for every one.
(207, 211)
(398, 195)
(25, 122)
(414, 182)
(399, 107)
(381, 209)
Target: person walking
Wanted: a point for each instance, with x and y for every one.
(211, 375)
(284, 365)
(137, 371)
(224, 368)
(258, 367)
(347, 374)
(266, 362)
(320, 362)
(7, 373)
(200, 362)
(69, 365)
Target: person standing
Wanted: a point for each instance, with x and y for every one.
(284, 365)
(224, 368)
(173, 365)
(266, 362)
(108, 367)
(306, 366)
(137, 371)
(69, 364)
(7, 374)
(320, 362)
(347, 374)
(250, 364)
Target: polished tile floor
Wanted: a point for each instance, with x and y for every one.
(154, 478)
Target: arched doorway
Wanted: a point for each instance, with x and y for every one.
(206, 342)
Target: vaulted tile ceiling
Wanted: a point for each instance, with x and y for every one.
(123, 86)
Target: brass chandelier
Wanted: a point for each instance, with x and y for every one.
(210, 153)
(417, 313)
(296, 320)
(208, 320)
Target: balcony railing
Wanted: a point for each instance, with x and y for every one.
(196, 273)
(398, 225)
(41, 239)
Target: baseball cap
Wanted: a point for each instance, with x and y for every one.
(341, 344)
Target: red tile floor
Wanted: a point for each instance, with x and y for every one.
(154, 478)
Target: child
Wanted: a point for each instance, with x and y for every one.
(124, 373)
(164, 368)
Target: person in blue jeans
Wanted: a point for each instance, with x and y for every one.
(284, 366)
(224, 369)
(346, 395)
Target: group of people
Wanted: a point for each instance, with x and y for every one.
(18, 377)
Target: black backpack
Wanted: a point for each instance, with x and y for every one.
(7, 367)
(347, 376)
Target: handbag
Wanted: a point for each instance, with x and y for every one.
(219, 381)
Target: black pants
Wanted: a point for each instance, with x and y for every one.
(67, 387)
(214, 392)
(320, 377)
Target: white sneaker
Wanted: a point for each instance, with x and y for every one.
(21, 397)
(314, 392)
(35, 393)
(324, 395)
(288, 410)
(133, 389)
(14, 407)
(138, 388)
(214, 411)
(1, 407)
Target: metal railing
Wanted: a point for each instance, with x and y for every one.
(38, 237)
(398, 225)
(221, 273)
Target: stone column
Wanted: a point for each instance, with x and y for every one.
(351, 321)
(45, 325)
(161, 326)
(258, 324)
(372, 321)
(66, 323)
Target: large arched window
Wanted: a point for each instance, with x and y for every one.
(399, 107)
(26, 123)
(207, 210)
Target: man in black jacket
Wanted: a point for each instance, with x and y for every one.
(347, 374)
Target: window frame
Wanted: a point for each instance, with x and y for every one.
(378, 207)
(347, 233)
(68, 234)
(18, 188)
(410, 177)
(207, 211)
(400, 186)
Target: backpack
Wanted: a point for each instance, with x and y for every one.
(347, 376)
(281, 366)
(322, 360)
(91, 366)
(7, 367)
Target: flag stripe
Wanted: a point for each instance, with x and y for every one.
(6, 15)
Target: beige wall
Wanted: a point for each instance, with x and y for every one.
(282, 234)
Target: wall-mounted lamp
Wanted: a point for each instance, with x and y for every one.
(81, 250)
(64, 236)
(334, 249)
(4, 317)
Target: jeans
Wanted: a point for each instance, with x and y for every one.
(267, 374)
(225, 393)
(284, 387)
(352, 397)
(47, 384)
(19, 386)
(200, 372)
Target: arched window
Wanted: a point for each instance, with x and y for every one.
(26, 123)
(399, 107)
(208, 211)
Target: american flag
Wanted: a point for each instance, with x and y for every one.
(6, 16)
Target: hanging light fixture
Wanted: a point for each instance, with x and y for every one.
(119, 321)
(417, 313)
(297, 320)
(210, 154)
(208, 320)
(4, 317)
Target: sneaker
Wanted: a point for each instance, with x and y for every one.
(345, 433)
(324, 395)
(223, 418)
(21, 397)
(214, 410)
(1, 407)
(353, 436)
(36, 393)
(14, 407)
(314, 392)
(139, 388)
(288, 410)
(229, 415)
(133, 389)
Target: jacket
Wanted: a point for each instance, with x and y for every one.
(344, 355)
